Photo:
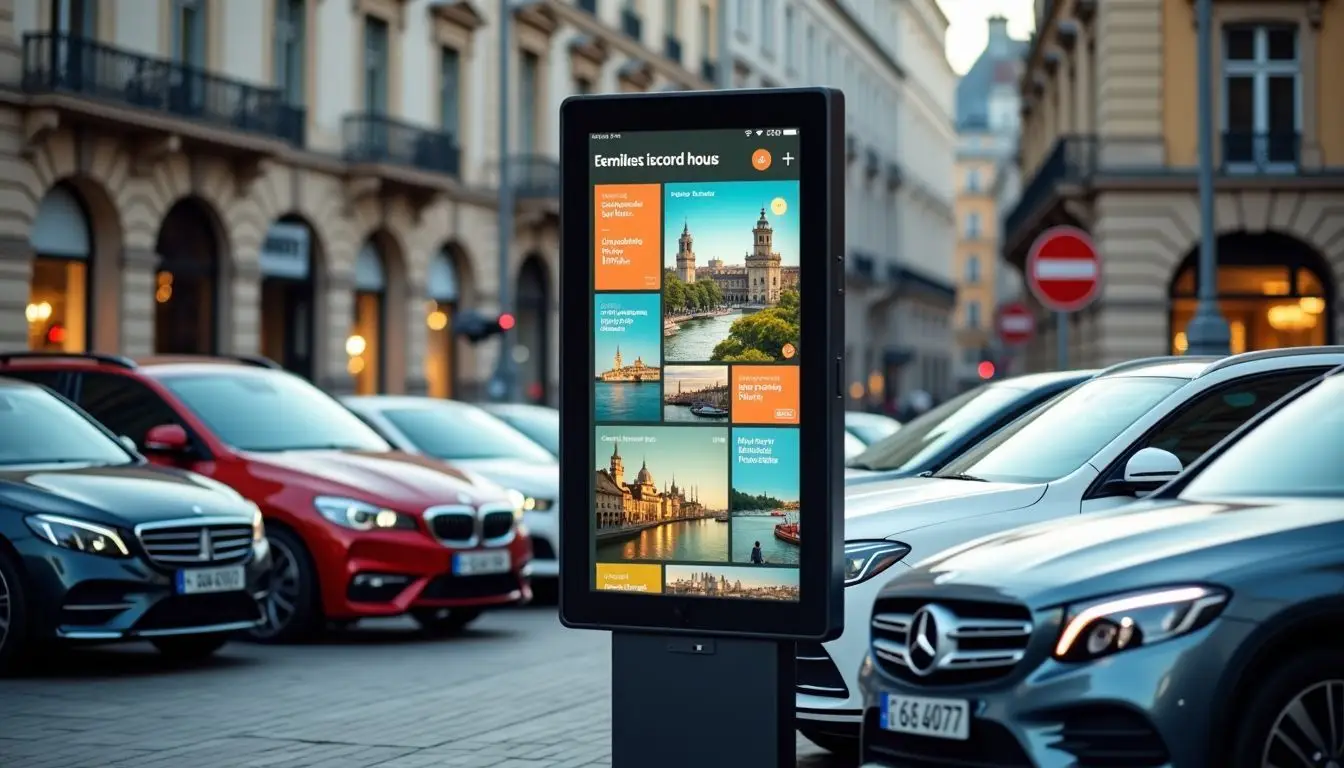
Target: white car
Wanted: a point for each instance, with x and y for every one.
(477, 443)
(1098, 446)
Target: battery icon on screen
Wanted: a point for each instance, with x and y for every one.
(790, 131)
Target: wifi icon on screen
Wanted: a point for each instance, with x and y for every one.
(758, 133)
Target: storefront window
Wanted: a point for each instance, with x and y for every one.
(364, 345)
(440, 360)
(58, 305)
(1266, 306)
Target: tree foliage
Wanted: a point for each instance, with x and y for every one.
(681, 297)
(760, 337)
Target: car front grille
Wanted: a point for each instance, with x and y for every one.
(196, 543)
(454, 526)
(1109, 737)
(185, 611)
(497, 524)
(963, 642)
(451, 587)
(990, 746)
(816, 674)
(460, 525)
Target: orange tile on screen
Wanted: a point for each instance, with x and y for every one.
(630, 577)
(628, 219)
(765, 394)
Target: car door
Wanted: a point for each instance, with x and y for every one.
(1197, 426)
(129, 407)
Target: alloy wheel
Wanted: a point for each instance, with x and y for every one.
(5, 615)
(1309, 731)
(282, 598)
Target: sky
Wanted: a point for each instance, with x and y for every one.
(697, 456)
(722, 224)
(966, 35)
(777, 480)
(693, 377)
(642, 338)
(751, 576)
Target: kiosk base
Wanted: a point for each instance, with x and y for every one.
(686, 702)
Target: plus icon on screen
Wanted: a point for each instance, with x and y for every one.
(788, 158)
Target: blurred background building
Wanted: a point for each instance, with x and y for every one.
(317, 181)
(1109, 144)
(988, 109)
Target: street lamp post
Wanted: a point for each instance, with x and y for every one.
(1208, 332)
(503, 384)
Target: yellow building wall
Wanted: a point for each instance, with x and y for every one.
(1180, 122)
(1329, 71)
(986, 248)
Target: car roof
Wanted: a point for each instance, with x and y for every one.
(1044, 379)
(519, 408)
(152, 364)
(402, 401)
(16, 384)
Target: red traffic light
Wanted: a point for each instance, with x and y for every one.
(985, 369)
(506, 322)
(56, 334)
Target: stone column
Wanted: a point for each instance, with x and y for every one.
(240, 310)
(11, 54)
(329, 358)
(16, 280)
(417, 342)
(138, 269)
(1082, 81)
(1067, 123)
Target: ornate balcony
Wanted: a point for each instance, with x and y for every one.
(535, 176)
(389, 155)
(74, 79)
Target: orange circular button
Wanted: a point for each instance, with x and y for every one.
(760, 159)
(789, 351)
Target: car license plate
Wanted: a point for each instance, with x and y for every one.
(481, 563)
(207, 580)
(938, 718)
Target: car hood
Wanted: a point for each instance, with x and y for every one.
(392, 478)
(535, 480)
(890, 508)
(1134, 547)
(122, 496)
(856, 476)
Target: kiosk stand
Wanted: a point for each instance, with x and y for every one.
(681, 702)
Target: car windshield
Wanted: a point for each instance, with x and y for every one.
(38, 428)
(1061, 435)
(266, 410)
(1294, 452)
(454, 431)
(540, 424)
(870, 427)
(928, 434)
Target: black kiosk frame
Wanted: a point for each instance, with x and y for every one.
(724, 664)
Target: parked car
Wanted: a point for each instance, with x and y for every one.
(96, 545)
(539, 422)
(928, 442)
(1199, 627)
(469, 438)
(1096, 447)
(869, 427)
(356, 528)
(854, 447)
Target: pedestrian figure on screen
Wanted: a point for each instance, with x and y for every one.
(756, 556)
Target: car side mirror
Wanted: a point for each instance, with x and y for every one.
(1150, 469)
(167, 438)
(128, 444)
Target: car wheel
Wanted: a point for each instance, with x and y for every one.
(290, 610)
(837, 744)
(190, 647)
(13, 616)
(444, 620)
(1294, 714)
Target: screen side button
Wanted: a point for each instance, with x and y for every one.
(840, 377)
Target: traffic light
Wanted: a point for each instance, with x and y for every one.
(478, 327)
(985, 369)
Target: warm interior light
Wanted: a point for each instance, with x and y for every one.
(856, 390)
(876, 383)
(1290, 317)
(436, 320)
(163, 293)
(1181, 343)
(1312, 305)
(1275, 288)
(38, 313)
(355, 366)
(355, 345)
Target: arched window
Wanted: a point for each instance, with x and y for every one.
(364, 346)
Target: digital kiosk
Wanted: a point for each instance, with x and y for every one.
(702, 273)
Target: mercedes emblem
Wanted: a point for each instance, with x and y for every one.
(928, 642)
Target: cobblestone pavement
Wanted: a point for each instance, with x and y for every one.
(518, 691)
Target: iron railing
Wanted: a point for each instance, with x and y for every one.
(374, 138)
(1072, 160)
(1261, 152)
(63, 63)
(535, 176)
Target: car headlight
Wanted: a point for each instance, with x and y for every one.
(78, 535)
(258, 525)
(1113, 624)
(866, 558)
(521, 502)
(361, 515)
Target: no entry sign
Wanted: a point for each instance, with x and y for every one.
(1016, 324)
(1063, 269)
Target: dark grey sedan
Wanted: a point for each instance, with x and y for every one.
(1201, 627)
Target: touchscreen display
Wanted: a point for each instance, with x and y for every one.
(695, 351)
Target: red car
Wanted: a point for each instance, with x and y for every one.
(356, 529)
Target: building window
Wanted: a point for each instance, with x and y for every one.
(973, 314)
(972, 226)
(77, 18)
(973, 180)
(450, 91)
(1261, 97)
(528, 82)
(290, 28)
(768, 26)
(790, 36)
(189, 32)
(375, 66)
(973, 270)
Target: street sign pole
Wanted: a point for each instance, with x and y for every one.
(502, 385)
(1062, 340)
(1064, 274)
